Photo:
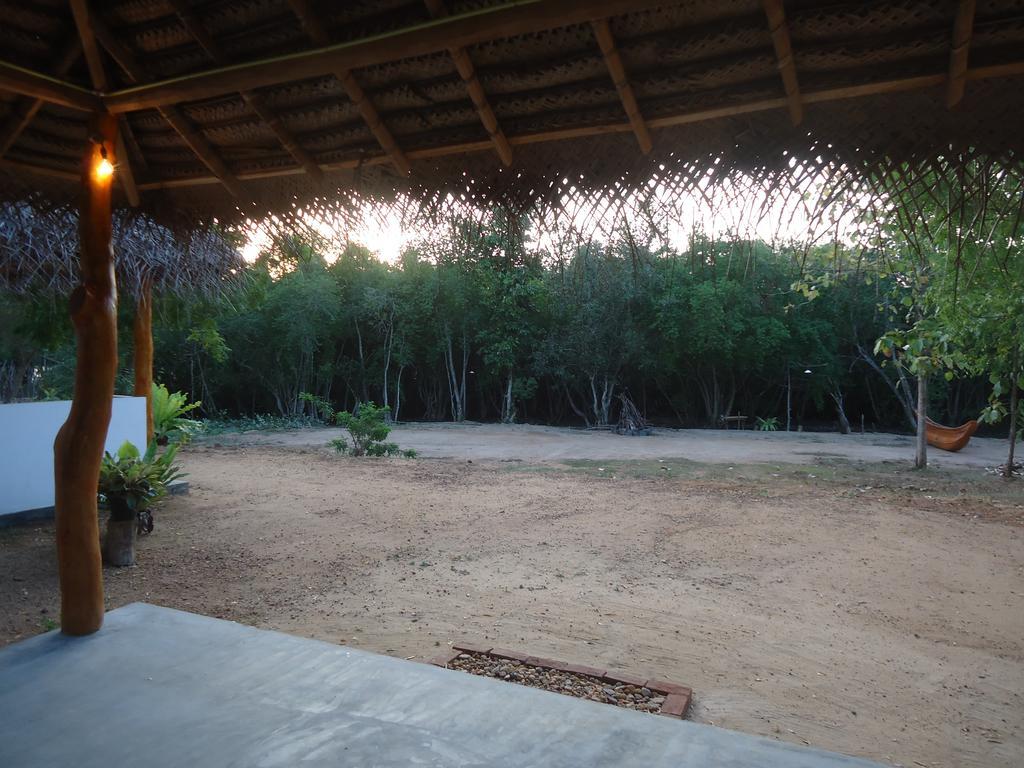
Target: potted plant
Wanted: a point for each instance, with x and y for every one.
(129, 485)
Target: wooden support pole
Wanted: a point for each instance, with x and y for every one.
(784, 56)
(78, 449)
(603, 33)
(963, 28)
(142, 336)
(464, 66)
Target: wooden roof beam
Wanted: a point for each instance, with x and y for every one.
(26, 82)
(464, 66)
(85, 21)
(963, 28)
(899, 85)
(784, 57)
(605, 40)
(27, 108)
(317, 32)
(256, 102)
(456, 31)
(93, 58)
(193, 138)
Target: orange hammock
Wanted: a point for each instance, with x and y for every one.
(949, 438)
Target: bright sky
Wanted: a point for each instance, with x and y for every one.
(722, 210)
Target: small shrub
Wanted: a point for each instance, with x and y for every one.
(368, 429)
(771, 424)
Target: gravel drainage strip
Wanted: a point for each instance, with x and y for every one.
(622, 690)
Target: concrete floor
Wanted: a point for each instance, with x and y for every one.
(158, 687)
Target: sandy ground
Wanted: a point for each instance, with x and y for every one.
(864, 609)
(539, 443)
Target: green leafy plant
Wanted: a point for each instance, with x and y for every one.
(368, 430)
(321, 406)
(130, 482)
(771, 424)
(170, 424)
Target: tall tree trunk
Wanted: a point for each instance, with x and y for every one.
(844, 423)
(900, 391)
(78, 449)
(572, 404)
(398, 391)
(1014, 405)
(507, 415)
(362, 363)
(921, 456)
(142, 333)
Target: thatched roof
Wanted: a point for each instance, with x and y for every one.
(39, 254)
(271, 104)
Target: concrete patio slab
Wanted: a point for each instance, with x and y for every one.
(163, 688)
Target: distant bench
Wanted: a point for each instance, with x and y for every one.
(739, 420)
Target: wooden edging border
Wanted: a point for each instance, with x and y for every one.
(677, 697)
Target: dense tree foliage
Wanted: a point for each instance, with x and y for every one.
(477, 323)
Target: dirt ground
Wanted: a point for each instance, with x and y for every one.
(859, 608)
(529, 442)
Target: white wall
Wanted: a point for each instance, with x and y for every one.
(27, 431)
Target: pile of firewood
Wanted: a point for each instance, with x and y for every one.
(631, 421)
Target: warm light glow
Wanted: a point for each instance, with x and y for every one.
(104, 170)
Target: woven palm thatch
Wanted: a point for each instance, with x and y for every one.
(39, 254)
(556, 102)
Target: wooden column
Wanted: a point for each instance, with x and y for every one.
(78, 449)
(142, 332)
(921, 452)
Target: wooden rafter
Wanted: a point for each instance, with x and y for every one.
(606, 41)
(193, 24)
(464, 66)
(195, 140)
(784, 57)
(52, 90)
(963, 28)
(901, 85)
(825, 95)
(85, 21)
(319, 35)
(25, 110)
(86, 32)
(456, 31)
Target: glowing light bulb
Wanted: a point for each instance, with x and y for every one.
(104, 170)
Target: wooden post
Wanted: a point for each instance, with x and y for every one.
(921, 457)
(143, 337)
(1014, 405)
(78, 449)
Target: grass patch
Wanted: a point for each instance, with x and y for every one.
(259, 423)
(836, 474)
